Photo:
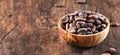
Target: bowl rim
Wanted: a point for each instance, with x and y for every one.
(108, 26)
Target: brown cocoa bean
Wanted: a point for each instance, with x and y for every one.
(112, 50)
(82, 30)
(93, 16)
(103, 25)
(114, 24)
(90, 21)
(84, 25)
(105, 54)
(93, 28)
(101, 19)
(80, 19)
(98, 22)
(89, 32)
(67, 26)
(81, 1)
(89, 25)
(72, 30)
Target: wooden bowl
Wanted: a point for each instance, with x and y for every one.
(83, 40)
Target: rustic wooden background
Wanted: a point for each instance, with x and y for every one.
(29, 27)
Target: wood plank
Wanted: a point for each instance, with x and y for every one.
(29, 27)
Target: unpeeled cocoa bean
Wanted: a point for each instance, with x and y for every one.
(72, 30)
(93, 28)
(103, 25)
(98, 26)
(102, 29)
(71, 19)
(93, 16)
(90, 21)
(77, 26)
(81, 1)
(101, 19)
(96, 31)
(66, 19)
(98, 22)
(75, 17)
(81, 22)
(82, 33)
(89, 12)
(89, 25)
(84, 25)
(73, 14)
(80, 19)
(114, 24)
(80, 14)
(81, 30)
(89, 29)
(112, 50)
(105, 54)
(67, 26)
(71, 25)
(89, 32)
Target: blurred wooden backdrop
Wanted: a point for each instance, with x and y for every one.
(29, 27)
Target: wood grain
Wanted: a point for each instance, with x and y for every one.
(29, 27)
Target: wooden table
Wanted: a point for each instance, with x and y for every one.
(29, 27)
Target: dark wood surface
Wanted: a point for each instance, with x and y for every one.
(29, 27)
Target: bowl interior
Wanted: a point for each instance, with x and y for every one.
(106, 19)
